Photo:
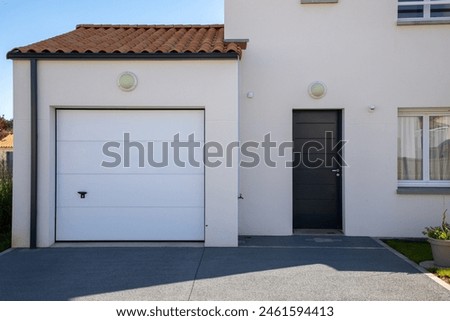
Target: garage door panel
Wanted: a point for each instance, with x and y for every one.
(78, 125)
(89, 158)
(127, 203)
(118, 224)
(131, 190)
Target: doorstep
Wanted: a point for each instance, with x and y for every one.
(317, 232)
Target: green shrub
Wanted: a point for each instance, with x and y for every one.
(5, 206)
(443, 273)
(441, 232)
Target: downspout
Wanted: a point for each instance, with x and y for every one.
(34, 153)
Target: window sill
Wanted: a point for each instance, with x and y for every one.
(318, 1)
(402, 22)
(423, 190)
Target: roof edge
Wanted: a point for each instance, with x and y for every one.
(16, 54)
(146, 26)
(242, 43)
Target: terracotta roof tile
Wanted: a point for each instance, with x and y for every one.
(137, 39)
(7, 142)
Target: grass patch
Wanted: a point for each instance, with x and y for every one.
(418, 251)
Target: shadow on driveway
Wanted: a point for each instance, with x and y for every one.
(261, 268)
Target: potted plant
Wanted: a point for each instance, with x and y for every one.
(439, 239)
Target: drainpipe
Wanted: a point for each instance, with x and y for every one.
(34, 153)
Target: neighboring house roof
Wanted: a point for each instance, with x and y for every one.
(135, 39)
(7, 142)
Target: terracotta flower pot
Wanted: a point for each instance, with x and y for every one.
(441, 252)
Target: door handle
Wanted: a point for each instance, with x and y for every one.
(336, 170)
(82, 194)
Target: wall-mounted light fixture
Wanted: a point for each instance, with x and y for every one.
(317, 90)
(127, 81)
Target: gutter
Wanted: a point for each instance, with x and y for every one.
(16, 54)
(34, 153)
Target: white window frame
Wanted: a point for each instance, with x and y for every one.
(425, 182)
(426, 11)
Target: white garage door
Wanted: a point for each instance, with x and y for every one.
(106, 154)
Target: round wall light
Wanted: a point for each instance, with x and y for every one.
(127, 81)
(317, 89)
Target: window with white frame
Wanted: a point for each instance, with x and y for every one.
(423, 10)
(423, 150)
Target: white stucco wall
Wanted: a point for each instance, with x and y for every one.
(364, 58)
(354, 47)
(22, 155)
(208, 84)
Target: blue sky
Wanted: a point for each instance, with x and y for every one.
(26, 21)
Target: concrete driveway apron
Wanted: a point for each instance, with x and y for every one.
(305, 267)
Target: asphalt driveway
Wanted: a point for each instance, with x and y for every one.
(261, 268)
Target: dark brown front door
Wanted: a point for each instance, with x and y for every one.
(317, 172)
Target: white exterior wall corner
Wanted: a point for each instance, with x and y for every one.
(208, 84)
(364, 58)
(22, 154)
